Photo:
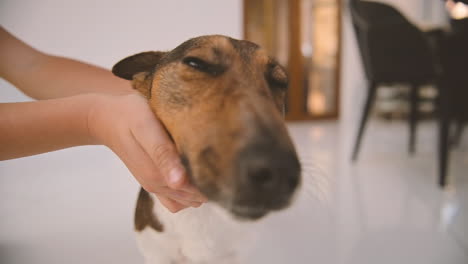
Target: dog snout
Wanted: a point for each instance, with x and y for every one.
(262, 177)
(269, 175)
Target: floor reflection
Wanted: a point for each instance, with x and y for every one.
(386, 208)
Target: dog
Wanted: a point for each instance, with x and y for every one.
(222, 101)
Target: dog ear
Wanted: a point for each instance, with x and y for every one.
(138, 68)
(141, 62)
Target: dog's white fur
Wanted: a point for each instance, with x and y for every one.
(205, 235)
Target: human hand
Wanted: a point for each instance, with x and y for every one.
(126, 124)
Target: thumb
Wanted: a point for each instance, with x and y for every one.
(153, 138)
(166, 159)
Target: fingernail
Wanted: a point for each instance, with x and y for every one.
(196, 205)
(176, 175)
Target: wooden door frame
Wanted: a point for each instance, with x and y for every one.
(296, 94)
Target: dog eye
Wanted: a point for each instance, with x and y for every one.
(195, 63)
(203, 66)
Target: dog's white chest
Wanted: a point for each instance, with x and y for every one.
(203, 235)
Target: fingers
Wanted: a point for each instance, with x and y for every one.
(139, 163)
(174, 205)
(196, 194)
(153, 159)
(152, 137)
(175, 174)
(188, 203)
(171, 205)
(183, 196)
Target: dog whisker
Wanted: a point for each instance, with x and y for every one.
(316, 181)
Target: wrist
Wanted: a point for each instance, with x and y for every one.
(93, 127)
(104, 114)
(82, 105)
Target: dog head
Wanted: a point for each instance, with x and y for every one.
(222, 102)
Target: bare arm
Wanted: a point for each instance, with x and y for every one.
(37, 127)
(85, 105)
(43, 76)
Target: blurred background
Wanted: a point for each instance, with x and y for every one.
(376, 107)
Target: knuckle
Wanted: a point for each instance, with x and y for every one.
(163, 149)
(163, 153)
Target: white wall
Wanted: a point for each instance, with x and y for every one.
(105, 31)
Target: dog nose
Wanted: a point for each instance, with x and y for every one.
(261, 177)
(273, 175)
(268, 170)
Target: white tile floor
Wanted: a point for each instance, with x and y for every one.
(76, 206)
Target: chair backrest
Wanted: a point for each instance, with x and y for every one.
(392, 48)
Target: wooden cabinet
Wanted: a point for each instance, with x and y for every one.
(304, 36)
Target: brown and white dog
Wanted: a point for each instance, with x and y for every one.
(222, 102)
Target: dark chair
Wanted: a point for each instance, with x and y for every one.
(453, 92)
(393, 51)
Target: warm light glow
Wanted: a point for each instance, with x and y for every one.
(319, 47)
(457, 10)
(316, 102)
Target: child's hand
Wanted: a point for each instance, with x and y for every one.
(126, 124)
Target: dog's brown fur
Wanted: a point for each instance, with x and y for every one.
(215, 95)
(144, 213)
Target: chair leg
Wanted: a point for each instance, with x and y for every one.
(443, 147)
(460, 127)
(364, 116)
(413, 117)
(444, 119)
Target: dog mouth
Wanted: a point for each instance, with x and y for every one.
(248, 212)
(246, 197)
(254, 209)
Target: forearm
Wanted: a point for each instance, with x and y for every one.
(44, 76)
(42, 126)
(60, 77)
